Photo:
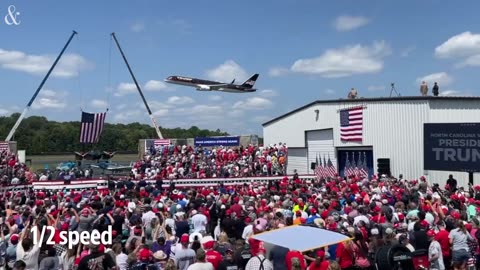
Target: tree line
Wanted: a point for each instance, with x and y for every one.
(38, 135)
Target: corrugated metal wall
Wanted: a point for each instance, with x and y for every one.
(393, 127)
(296, 161)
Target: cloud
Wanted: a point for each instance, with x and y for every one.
(215, 98)
(453, 93)
(127, 116)
(278, 71)
(50, 99)
(329, 91)
(348, 23)
(346, 61)
(407, 51)
(374, 88)
(70, 65)
(465, 46)
(461, 45)
(260, 119)
(4, 111)
(99, 104)
(269, 93)
(254, 103)
(137, 27)
(442, 78)
(227, 71)
(154, 85)
(176, 100)
(125, 89)
(161, 113)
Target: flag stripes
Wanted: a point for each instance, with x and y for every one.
(356, 168)
(91, 127)
(4, 146)
(160, 142)
(324, 168)
(351, 124)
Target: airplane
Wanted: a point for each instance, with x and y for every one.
(205, 85)
(109, 166)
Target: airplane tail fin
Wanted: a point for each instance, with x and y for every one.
(250, 82)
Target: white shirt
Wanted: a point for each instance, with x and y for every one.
(199, 221)
(247, 231)
(201, 266)
(147, 217)
(30, 257)
(121, 261)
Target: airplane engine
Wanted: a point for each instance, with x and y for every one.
(203, 88)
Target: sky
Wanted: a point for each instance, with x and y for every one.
(303, 51)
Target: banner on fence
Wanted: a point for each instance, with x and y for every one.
(218, 141)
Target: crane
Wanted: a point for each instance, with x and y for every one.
(139, 89)
(27, 108)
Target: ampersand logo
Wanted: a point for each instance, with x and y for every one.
(12, 17)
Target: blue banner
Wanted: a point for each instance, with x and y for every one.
(217, 141)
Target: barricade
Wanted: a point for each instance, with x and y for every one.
(99, 183)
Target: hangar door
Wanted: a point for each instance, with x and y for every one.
(297, 160)
(320, 145)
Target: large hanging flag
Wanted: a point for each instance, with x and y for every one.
(331, 167)
(91, 127)
(351, 124)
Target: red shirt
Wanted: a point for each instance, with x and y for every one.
(345, 256)
(213, 257)
(295, 254)
(323, 266)
(442, 238)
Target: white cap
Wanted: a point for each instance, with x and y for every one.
(131, 206)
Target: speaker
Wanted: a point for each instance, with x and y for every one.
(383, 166)
(313, 165)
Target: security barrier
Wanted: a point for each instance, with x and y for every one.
(100, 183)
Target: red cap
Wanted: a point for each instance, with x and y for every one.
(184, 238)
(14, 239)
(431, 233)
(320, 253)
(144, 254)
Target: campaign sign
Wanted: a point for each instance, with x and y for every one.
(452, 147)
(217, 141)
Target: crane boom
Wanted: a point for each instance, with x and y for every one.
(138, 88)
(25, 111)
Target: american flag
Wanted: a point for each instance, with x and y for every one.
(347, 170)
(354, 165)
(92, 126)
(4, 146)
(319, 172)
(351, 124)
(364, 168)
(160, 142)
(331, 167)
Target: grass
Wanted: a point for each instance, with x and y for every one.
(41, 161)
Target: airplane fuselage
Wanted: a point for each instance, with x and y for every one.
(206, 85)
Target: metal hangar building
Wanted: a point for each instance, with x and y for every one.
(390, 137)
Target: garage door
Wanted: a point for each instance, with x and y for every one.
(320, 145)
(297, 160)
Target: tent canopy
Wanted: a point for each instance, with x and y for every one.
(301, 238)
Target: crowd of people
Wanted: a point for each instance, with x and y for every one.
(214, 227)
(181, 161)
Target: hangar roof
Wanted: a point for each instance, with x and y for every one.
(377, 99)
